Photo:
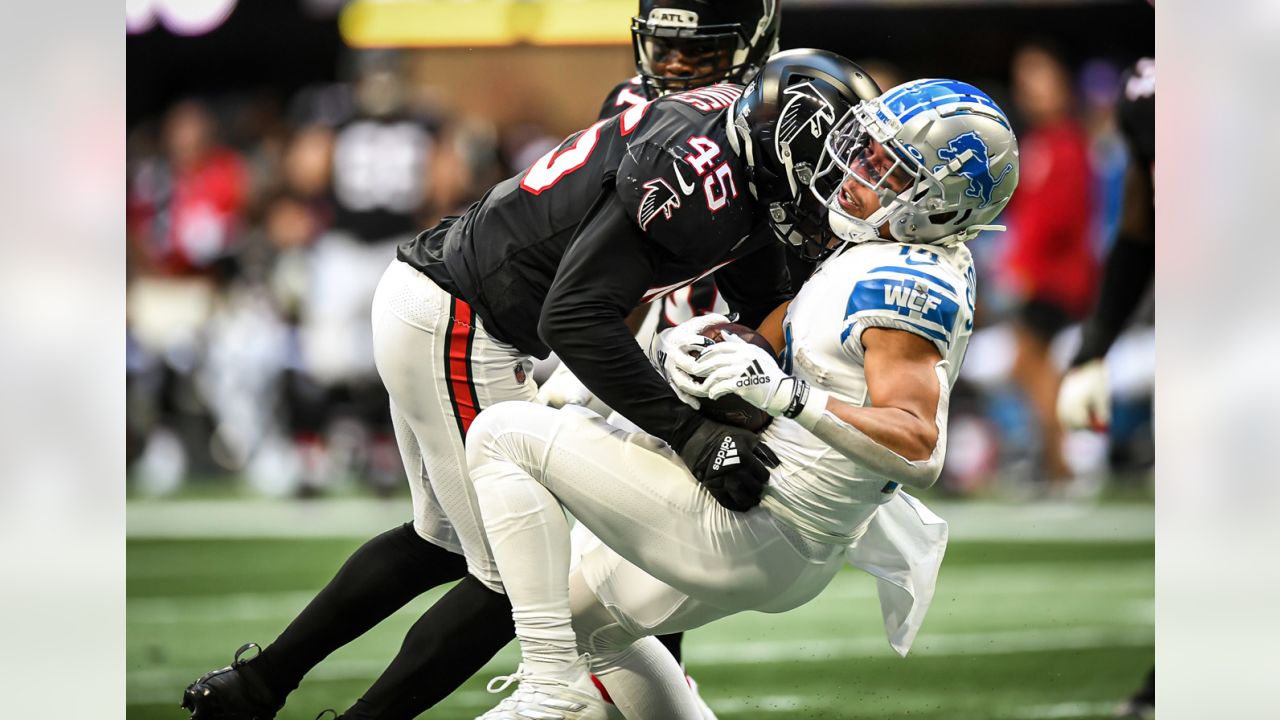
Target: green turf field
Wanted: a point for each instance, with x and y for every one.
(1018, 630)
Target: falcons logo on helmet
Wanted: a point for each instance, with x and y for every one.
(659, 197)
(805, 108)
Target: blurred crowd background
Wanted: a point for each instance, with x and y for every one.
(277, 152)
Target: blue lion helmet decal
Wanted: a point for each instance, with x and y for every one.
(977, 167)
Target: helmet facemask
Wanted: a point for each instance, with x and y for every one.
(938, 154)
(718, 41)
(862, 149)
(780, 126)
(711, 50)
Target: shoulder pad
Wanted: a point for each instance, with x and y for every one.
(911, 288)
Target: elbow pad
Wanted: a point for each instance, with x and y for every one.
(871, 455)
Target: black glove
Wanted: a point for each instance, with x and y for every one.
(730, 462)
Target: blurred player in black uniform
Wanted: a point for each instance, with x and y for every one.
(1084, 400)
(380, 160)
(555, 258)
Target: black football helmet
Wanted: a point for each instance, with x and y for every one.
(683, 44)
(780, 125)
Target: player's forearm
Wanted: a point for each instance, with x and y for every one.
(771, 329)
(894, 429)
(1125, 277)
(891, 442)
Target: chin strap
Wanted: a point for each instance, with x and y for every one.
(740, 143)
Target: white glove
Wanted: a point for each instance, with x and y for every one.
(1084, 399)
(748, 371)
(563, 388)
(673, 345)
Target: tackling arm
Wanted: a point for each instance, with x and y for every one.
(604, 273)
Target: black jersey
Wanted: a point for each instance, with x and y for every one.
(1137, 112)
(380, 176)
(624, 96)
(619, 214)
(1130, 263)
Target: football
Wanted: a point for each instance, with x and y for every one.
(731, 409)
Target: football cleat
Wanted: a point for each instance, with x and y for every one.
(230, 694)
(541, 697)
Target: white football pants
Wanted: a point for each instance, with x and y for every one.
(441, 368)
(673, 559)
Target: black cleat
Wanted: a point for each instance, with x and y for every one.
(230, 694)
(1142, 706)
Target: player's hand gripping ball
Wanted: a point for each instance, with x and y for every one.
(732, 409)
(682, 345)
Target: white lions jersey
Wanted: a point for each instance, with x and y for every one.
(922, 289)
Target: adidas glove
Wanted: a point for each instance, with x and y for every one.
(730, 462)
(673, 344)
(737, 367)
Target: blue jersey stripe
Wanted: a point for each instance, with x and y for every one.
(941, 337)
(906, 299)
(908, 271)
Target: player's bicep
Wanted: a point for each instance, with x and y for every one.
(901, 371)
(606, 268)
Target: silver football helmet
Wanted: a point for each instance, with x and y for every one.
(939, 154)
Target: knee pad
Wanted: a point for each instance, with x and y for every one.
(598, 631)
(487, 432)
(487, 426)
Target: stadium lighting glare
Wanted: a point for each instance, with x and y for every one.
(139, 15)
(181, 17)
(485, 23)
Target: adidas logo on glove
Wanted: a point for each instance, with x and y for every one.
(753, 376)
(727, 454)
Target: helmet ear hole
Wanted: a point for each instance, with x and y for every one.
(943, 217)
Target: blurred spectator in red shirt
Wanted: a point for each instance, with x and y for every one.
(184, 212)
(1050, 264)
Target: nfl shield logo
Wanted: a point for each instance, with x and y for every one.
(520, 374)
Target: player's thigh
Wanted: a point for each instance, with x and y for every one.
(441, 369)
(614, 603)
(635, 494)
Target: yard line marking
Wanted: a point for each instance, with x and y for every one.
(764, 703)
(1063, 710)
(1132, 601)
(364, 517)
(157, 684)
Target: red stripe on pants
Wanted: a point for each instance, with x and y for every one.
(460, 336)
